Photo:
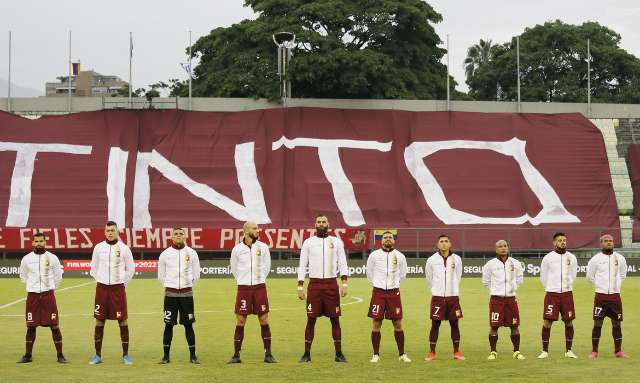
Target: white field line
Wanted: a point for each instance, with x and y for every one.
(356, 300)
(57, 291)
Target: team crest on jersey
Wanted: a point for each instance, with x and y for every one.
(394, 260)
(53, 316)
(117, 253)
(331, 245)
(615, 263)
(118, 314)
(258, 252)
(513, 268)
(186, 257)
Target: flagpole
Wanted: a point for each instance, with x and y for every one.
(9, 85)
(589, 77)
(190, 70)
(130, 64)
(448, 86)
(518, 59)
(69, 78)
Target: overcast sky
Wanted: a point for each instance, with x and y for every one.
(100, 31)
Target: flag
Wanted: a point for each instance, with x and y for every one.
(75, 68)
(187, 68)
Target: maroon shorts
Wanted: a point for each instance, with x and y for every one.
(41, 309)
(323, 298)
(445, 308)
(503, 311)
(385, 304)
(252, 300)
(110, 303)
(607, 305)
(556, 304)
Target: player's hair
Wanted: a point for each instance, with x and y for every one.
(179, 228)
(605, 235)
(322, 215)
(502, 240)
(559, 234)
(444, 236)
(388, 232)
(111, 223)
(38, 234)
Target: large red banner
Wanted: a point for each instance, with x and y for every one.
(634, 174)
(479, 176)
(83, 239)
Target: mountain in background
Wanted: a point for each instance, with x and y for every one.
(17, 91)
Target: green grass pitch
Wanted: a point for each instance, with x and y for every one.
(215, 324)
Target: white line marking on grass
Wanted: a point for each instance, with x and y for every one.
(24, 299)
(159, 312)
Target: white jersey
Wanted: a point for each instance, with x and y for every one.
(558, 272)
(250, 265)
(40, 272)
(112, 264)
(444, 274)
(503, 279)
(325, 258)
(606, 272)
(178, 268)
(385, 269)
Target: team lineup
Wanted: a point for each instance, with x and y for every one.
(323, 258)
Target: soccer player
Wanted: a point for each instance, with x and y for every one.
(250, 265)
(178, 271)
(606, 271)
(324, 256)
(443, 272)
(41, 272)
(558, 271)
(386, 267)
(502, 276)
(112, 267)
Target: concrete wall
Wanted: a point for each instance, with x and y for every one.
(56, 105)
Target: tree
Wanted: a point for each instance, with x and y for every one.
(553, 67)
(477, 55)
(345, 49)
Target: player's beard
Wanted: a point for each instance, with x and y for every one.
(322, 231)
(38, 249)
(388, 246)
(561, 251)
(607, 251)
